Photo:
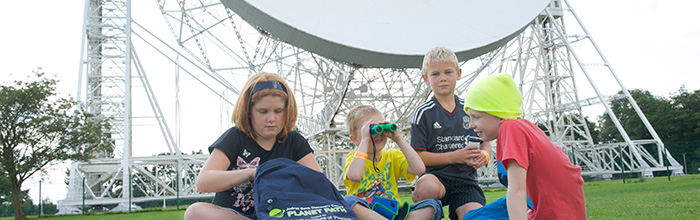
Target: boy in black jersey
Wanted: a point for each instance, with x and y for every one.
(438, 131)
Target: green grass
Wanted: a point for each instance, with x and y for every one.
(651, 198)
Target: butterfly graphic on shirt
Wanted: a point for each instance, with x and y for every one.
(243, 193)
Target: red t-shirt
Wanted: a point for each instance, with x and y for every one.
(554, 184)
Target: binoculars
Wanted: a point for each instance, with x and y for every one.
(378, 129)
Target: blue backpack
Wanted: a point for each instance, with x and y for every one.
(284, 189)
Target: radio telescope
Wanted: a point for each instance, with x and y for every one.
(335, 55)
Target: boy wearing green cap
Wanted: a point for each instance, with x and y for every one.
(536, 167)
(438, 131)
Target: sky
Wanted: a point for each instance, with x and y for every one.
(651, 44)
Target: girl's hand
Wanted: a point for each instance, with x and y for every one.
(252, 172)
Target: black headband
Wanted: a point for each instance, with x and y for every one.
(268, 85)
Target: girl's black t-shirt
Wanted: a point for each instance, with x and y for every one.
(243, 152)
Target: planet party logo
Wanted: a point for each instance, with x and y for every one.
(276, 213)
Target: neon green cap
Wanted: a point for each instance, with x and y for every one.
(497, 95)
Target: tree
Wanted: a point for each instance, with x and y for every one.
(39, 129)
(6, 197)
(686, 108)
(675, 119)
(4, 187)
(696, 163)
(655, 109)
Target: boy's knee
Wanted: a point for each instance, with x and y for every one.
(427, 188)
(423, 193)
(426, 192)
(195, 211)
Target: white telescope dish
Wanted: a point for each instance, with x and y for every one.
(390, 34)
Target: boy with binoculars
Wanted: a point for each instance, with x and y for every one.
(372, 172)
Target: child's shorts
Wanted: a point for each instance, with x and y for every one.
(240, 213)
(459, 192)
(437, 206)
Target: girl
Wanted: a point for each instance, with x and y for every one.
(264, 115)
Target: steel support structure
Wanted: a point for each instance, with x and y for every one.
(547, 60)
(212, 46)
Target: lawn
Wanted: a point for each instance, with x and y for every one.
(651, 198)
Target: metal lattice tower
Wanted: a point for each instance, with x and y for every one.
(215, 47)
(548, 60)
